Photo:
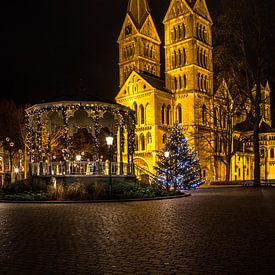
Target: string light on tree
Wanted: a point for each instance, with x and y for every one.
(178, 164)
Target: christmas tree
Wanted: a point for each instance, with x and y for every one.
(178, 164)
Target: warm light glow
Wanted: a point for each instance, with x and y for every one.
(78, 157)
(167, 154)
(109, 140)
(16, 170)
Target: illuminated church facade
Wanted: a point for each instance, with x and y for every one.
(186, 93)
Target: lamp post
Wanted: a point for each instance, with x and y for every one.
(166, 155)
(109, 141)
(10, 144)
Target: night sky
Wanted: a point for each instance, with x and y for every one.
(48, 46)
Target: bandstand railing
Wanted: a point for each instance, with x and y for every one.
(80, 168)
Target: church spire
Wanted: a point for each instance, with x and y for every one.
(138, 11)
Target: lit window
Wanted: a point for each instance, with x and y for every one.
(272, 153)
(142, 115)
(179, 114)
(142, 142)
(162, 113)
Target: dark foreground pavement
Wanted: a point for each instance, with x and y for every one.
(214, 231)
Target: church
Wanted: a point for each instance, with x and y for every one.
(186, 92)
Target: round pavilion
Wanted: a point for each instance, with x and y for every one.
(66, 138)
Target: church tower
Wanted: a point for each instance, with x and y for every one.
(189, 68)
(139, 43)
(141, 87)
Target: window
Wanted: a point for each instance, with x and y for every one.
(184, 82)
(262, 153)
(148, 138)
(272, 153)
(164, 138)
(179, 114)
(142, 142)
(162, 113)
(142, 115)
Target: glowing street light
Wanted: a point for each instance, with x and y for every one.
(109, 141)
(78, 157)
(166, 155)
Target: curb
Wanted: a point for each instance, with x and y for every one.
(97, 201)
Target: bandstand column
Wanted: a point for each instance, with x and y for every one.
(66, 147)
(39, 143)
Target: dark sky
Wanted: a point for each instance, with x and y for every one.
(48, 46)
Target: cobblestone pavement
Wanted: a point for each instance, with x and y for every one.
(214, 231)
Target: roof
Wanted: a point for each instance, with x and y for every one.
(82, 95)
(154, 81)
(138, 11)
(191, 3)
(248, 125)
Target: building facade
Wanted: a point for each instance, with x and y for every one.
(185, 95)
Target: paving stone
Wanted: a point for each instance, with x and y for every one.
(214, 231)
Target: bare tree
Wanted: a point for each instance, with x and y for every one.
(242, 57)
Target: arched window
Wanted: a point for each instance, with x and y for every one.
(162, 113)
(142, 142)
(183, 30)
(184, 81)
(142, 115)
(199, 81)
(200, 58)
(174, 59)
(136, 142)
(168, 111)
(180, 61)
(179, 114)
(175, 33)
(183, 56)
(272, 153)
(148, 138)
(204, 114)
(262, 153)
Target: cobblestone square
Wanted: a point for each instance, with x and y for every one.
(213, 231)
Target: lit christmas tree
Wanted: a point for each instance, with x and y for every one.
(178, 164)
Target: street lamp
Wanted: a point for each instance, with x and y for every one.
(78, 157)
(10, 144)
(109, 141)
(16, 170)
(166, 155)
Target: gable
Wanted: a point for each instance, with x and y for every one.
(134, 85)
(177, 8)
(223, 91)
(128, 28)
(200, 8)
(149, 29)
